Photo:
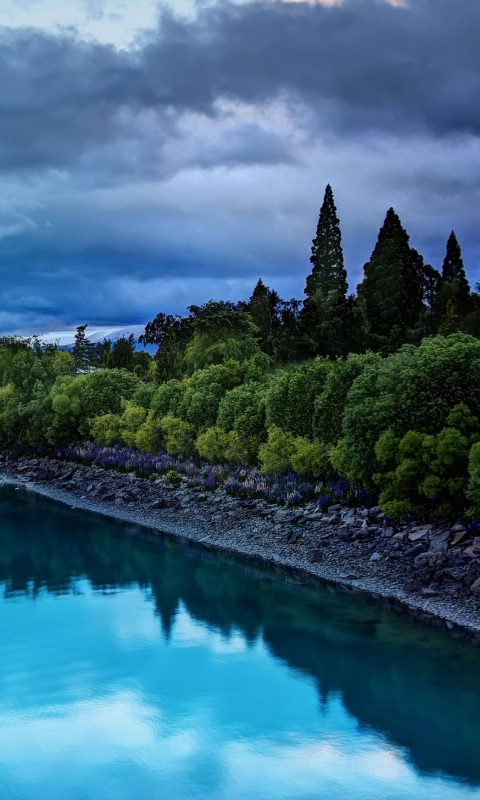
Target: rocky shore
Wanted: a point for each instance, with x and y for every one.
(431, 571)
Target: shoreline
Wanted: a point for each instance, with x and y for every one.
(243, 529)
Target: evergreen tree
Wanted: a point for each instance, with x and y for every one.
(328, 273)
(391, 290)
(83, 349)
(453, 270)
(263, 307)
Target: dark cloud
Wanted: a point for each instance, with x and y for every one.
(189, 166)
(362, 65)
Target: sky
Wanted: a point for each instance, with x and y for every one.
(158, 155)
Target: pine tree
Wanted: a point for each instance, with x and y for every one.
(262, 307)
(453, 269)
(392, 288)
(328, 273)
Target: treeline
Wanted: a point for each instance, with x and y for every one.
(381, 388)
(400, 300)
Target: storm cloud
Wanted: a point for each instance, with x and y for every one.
(188, 164)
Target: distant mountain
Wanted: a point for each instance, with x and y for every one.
(65, 339)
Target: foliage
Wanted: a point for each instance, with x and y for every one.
(173, 478)
(178, 435)
(290, 399)
(311, 458)
(414, 389)
(276, 453)
(391, 288)
(425, 475)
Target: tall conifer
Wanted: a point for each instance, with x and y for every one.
(453, 269)
(328, 273)
(391, 289)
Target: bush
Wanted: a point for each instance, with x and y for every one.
(107, 430)
(329, 406)
(276, 453)
(173, 478)
(425, 475)
(413, 389)
(242, 410)
(311, 458)
(167, 398)
(217, 444)
(149, 438)
(178, 435)
(290, 399)
(133, 418)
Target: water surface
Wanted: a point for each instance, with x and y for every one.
(132, 670)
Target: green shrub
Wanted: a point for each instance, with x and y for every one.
(422, 474)
(329, 406)
(167, 398)
(107, 430)
(173, 478)
(413, 389)
(290, 399)
(276, 453)
(212, 444)
(133, 418)
(178, 435)
(149, 438)
(311, 458)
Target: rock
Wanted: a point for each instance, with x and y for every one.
(429, 592)
(415, 551)
(388, 532)
(334, 508)
(158, 504)
(475, 587)
(316, 555)
(416, 535)
(437, 546)
(458, 537)
(375, 557)
(421, 560)
(348, 576)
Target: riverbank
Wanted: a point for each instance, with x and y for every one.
(430, 571)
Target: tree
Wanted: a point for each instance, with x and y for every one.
(221, 331)
(453, 270)
(171, 333)
(391, 289)
(82, 348)
(263, 308)
(328, 273)
(122, 353)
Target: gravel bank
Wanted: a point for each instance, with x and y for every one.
(431, 572)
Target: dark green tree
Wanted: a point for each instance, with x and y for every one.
(263, 308)
(453, 270)
(83, 348)
(391, 290)
(122, 354)
(328, 273)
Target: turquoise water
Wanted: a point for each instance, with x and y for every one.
(133, 670)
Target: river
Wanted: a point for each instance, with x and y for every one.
(132, 669)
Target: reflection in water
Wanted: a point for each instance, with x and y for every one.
(243, 685)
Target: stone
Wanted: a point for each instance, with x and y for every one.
(388, 532)
(416, 535)
(421, 560)
(334, 508)
(475, 587)
(459, 536)
(437, 546)
(415, 551)
(375, 557)
(348, 576)
(429, 592)
(316, 555)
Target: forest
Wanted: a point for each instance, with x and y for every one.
(379, 389)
